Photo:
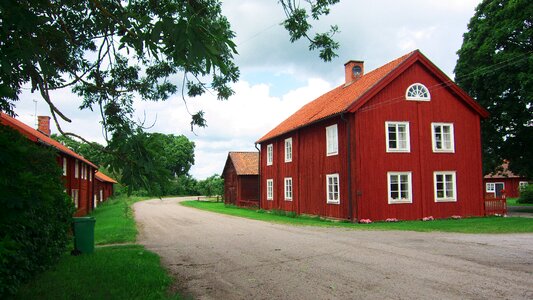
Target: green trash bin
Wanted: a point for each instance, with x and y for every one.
(83, 228)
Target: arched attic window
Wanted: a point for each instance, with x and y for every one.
(418, 92)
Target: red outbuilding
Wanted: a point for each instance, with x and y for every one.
(402, 141)
(241, 179)
(78, 172)
(103, 187)
(503, 183)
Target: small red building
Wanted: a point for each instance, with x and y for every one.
(503, 183)
(402, 141)
(78, 172)
(241, 179)
(103, 188)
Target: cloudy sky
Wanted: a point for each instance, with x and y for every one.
(278, 77)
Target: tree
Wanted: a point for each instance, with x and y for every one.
(213, 185)
(111, 52)
(178, 152)
(495, 66)
(93, 154)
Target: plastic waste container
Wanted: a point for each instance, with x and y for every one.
(83, 228)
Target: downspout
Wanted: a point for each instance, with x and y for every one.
(259, 174)
(349, 166)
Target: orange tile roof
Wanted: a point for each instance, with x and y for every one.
(37, 136)
(335, 101)
(103, 177)
(245, 163)
(503, 172)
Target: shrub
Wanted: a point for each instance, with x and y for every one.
(35, 214)
(526, 195)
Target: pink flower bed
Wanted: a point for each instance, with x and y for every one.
(391, 220)
(430, 218)
(365, 221)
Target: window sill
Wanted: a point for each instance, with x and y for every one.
(333, 202)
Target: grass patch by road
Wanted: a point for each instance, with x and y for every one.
(118, 272)
(467, 225)
(111, 272)
(114, 221)
(513, 202)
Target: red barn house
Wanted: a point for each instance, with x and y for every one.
(78, 172)
(504, 183)
(103, 187)
(402, 141)
(241, 179)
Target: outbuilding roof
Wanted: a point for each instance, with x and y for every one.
(104, 178)
(503, 172)
(39, 137)
(351, 96)
(245, 163)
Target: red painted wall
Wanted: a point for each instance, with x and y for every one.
(511, 186)
(239, 187)
(370, 162)
(373, 162)
(85, 186)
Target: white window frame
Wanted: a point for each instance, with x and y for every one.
(65, 166)
(417, 85)
(288, 188)
(332, 140)
(270, 189)
(445, 198)
(75, 194)
(407, 147)
(333, 196)
(451, 149)
(490, 187)
(409, 198)
(288, 150)
(90, 175)
(76, 168)
(270, 154)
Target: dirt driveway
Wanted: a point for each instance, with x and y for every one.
(214, 256)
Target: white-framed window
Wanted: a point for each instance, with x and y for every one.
(442, 137)
(76, 169)
(75, 194)
(270, 189)
(522, 185)
(90, 175)
(417, 92)
(400, 187)
(445, 186)
(64, 166)
(83, 171)
(332, 189)
(270, 154)
(332, 140)
(490, 187)
(397, 136)
(288, 188)
(288, 150)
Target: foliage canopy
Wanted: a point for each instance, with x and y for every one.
(495, 66)
(111, 52)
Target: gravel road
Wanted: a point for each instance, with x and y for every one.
(213, 256)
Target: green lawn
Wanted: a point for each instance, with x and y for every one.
(114, 221)
(512, 202)
(111, 272)
(467, 225)
(118, 272)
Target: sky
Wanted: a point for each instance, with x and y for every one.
(277, 76)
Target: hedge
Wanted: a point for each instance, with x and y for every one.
(35, 212)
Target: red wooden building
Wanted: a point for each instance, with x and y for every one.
(503, 183)
(241, 179)
(103, 187)
(78, 172)
(401, 141)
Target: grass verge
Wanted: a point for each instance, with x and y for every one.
(513, 202)
(114, 221)
(111, 272)
(467, 225)
(118, 272)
